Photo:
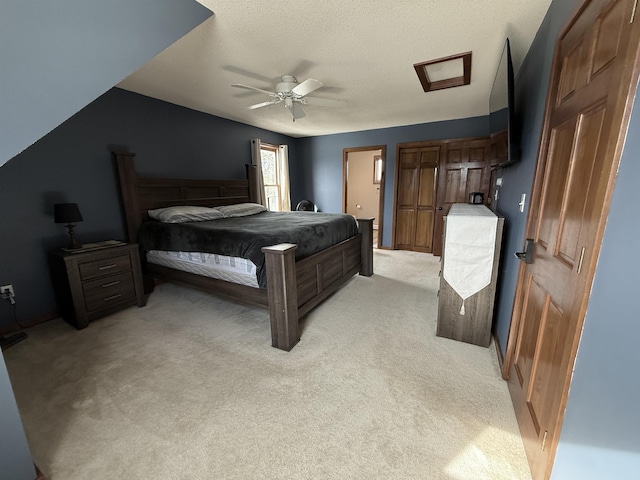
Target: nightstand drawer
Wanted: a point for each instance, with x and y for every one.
(107, 291)
(105, 266)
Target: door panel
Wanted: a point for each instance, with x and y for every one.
(453, 178)
(405, 228)
(475, 177)
(608, 36)
(415, 196)
(426, 195)
(544, 362)
(555, 180)
(589, 134)
(406, 186)
(528, 340)
(585, 123)
(424, 235)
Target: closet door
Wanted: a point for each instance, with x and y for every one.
(464, 168)
(415, 198)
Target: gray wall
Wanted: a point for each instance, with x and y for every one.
(73, 164)
(601, 432)
(321, 177)
(48, 74)
(15, 458)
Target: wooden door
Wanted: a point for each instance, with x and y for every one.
(585, 125)
(464, 168)
(415, 198)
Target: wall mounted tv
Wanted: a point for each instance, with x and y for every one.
(502, 120)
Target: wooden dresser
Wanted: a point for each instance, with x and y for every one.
(475, 251)
(96, 283)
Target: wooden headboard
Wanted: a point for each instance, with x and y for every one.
(142, 194)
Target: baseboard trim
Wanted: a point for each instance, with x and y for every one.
(496, 342)
(29, 323)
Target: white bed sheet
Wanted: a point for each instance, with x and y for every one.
(230, 269)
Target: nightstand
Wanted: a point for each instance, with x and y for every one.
(95, 283)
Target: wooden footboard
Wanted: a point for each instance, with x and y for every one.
(315, 278)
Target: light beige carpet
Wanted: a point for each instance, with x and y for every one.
(189, 387)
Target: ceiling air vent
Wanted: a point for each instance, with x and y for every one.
(446, 72)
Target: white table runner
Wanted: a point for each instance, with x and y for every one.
(470, 245)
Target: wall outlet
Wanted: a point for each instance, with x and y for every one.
(6, 291)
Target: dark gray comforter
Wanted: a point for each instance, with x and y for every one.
(245, 236)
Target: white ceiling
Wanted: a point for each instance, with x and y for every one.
(363, 52)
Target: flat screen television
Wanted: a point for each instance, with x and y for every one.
(502, 119)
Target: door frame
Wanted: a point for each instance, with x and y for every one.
(383, 154)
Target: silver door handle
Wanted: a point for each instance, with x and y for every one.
(527, 255)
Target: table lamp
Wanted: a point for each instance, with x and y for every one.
(68, 213)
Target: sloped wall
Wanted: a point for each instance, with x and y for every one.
(57, 57)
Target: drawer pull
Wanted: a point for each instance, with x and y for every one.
(111, 284)
(112, 297)
(107, 267)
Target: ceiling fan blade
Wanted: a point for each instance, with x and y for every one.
(324, 102)
(296, 110)
(248, 87)
(306, 87)
(263, 104)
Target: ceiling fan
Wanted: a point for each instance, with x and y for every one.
(294, 95)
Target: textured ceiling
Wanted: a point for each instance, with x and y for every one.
(363, 52)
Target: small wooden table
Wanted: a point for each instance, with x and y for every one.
(473, 325)
(98, 282)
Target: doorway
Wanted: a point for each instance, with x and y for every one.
(363, 185)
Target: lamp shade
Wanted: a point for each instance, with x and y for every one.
(67, 213)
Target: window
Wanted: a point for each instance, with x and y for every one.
(377, 168)
(271, 176)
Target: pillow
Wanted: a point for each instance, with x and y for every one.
(185, 214)
(241, 209)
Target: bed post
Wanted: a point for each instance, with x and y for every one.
(129, 190)
(252, 178)
(282, 291)
(365, 225)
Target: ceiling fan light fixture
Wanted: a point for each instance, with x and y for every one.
(293, 94)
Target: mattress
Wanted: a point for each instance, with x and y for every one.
(230, 269)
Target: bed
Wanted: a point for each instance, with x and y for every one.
(295, 282)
